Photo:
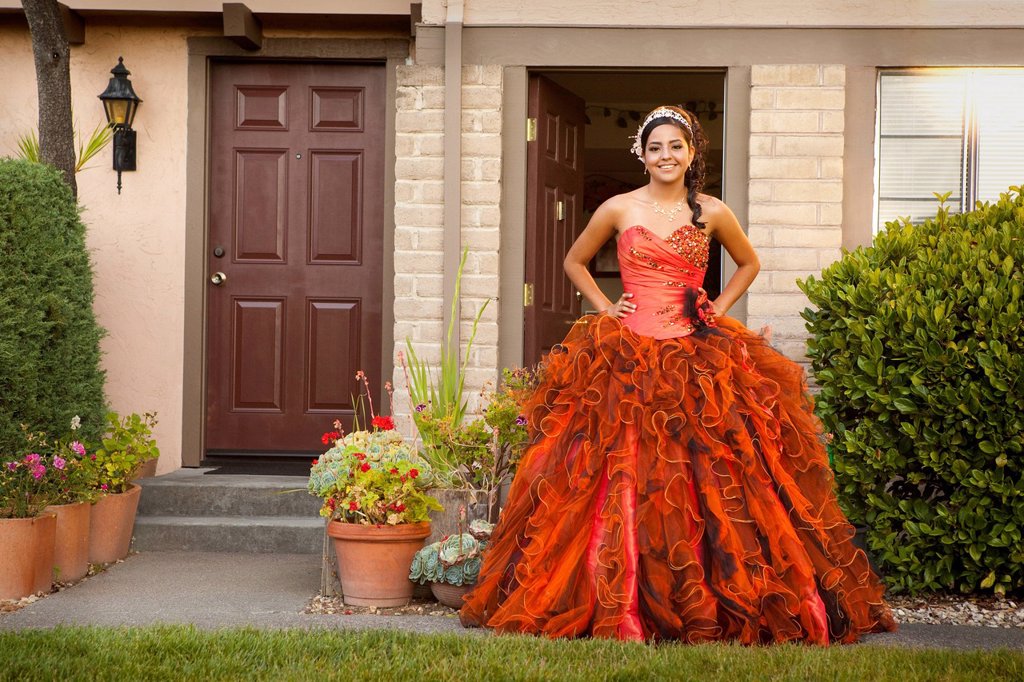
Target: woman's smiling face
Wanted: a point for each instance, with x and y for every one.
(667, 155)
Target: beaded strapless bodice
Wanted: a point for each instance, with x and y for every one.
(665, 278)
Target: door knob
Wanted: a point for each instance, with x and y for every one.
(218, 278)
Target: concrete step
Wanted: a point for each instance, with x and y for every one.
(191, 492)
(251, 534)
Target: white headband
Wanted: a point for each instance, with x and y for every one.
(660, 112)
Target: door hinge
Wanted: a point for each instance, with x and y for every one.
(531, 129)
(527, 294)
(559, 210)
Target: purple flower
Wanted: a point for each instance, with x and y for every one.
(78, 448)
(12, 466)
(37, 471)
(421, 407)
(58, 462)
(520, 420)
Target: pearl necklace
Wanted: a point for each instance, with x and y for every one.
(670, 213)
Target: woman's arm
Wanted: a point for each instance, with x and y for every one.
(599, 230)
(726, 229)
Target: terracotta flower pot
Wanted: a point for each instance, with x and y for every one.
(373, 561)
(71, 550)
(26, 546)
(450, 595)
(111, 524)
(146, 470)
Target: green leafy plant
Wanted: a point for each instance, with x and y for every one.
(482, 454)
(440, 392)
(28, 145)
(916, 344)
(49, 339)
(127, 444)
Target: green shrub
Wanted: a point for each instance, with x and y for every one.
(918, 347)
(49, 339)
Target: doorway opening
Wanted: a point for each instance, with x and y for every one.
(585, 123)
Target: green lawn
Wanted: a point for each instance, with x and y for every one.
(174, 653)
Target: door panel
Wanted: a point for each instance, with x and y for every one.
(554, 202)
(295, 193)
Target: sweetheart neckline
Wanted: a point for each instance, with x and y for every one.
(666, 239)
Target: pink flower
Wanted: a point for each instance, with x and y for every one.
(32, 459)
(58, 462)
(37, 471)
(78, 448)
(12, 466)
(103, 487)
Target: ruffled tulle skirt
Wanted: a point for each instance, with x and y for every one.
(674, 489)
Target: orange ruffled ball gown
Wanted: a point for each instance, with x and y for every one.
(676, 485)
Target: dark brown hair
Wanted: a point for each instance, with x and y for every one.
(694, 176)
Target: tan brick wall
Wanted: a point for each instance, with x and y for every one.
(419, 220)
(796, 189)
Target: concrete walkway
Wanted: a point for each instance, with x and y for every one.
(214, 590)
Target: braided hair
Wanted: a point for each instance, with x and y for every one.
(693, 179)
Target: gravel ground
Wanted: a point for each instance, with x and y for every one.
(991, 612)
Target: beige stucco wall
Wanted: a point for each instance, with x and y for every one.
(137, 238)
(736, 13)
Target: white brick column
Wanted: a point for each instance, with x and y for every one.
(419, 221)
(481, 218)
(796, 190)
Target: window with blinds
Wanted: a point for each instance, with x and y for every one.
(956, 130)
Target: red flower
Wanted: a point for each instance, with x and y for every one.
(383, 423)
(414, 473)
(316, 461)
(364, 467)
(331, 503)
(393, 470)
(329, 437)
(352, 506)
(400, 508)
(360, 456)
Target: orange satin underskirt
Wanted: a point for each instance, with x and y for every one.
(675, 489)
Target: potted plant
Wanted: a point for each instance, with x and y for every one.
(73, 474)
(476, 457)
(126, 445)
(452, 565)
(27, 532)
(374, 496)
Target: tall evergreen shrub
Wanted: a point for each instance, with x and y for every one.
(49, 338)
(918, 346)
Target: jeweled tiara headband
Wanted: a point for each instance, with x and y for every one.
(661, 112)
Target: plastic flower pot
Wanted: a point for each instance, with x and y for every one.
(373, 561)
(112, 521)
(26, 548)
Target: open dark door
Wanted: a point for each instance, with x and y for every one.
(553, 214)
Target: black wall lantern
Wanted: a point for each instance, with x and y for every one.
(120, 103)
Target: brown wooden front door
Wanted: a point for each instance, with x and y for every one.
(553, 213)
(296, 220)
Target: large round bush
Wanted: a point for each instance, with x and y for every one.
(49, 339)
(918, 347)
